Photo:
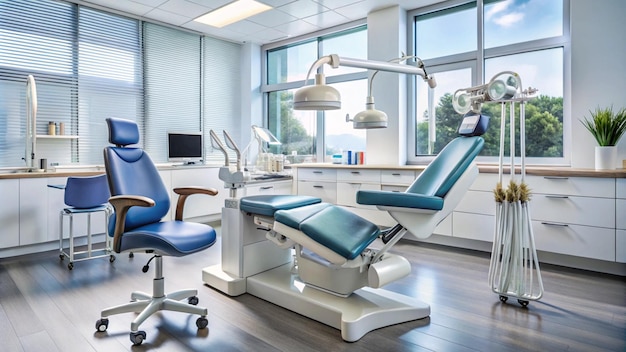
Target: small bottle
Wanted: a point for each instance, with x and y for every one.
(52, 128)
(61, 128)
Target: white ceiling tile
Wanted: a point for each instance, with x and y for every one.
(326, 19)
(276, 3)
(124, 6)
(212, 4)
(184, 8)
(303, 8)
(152, 3)
(167, 17)
(270, 35)
(354, 11)
(333, 4)
(272, 18)
(246, 27)
(297, 28)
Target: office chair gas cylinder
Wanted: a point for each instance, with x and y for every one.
(141, 200)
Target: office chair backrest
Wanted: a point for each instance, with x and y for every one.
(130, 171)
(86, 192)
(441, 174)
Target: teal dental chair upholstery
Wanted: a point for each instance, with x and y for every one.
(141, 200)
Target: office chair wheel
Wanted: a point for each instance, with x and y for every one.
(102, 325)
(503, 299)
(131, 255)
(70, 265)
(111, 258)
(62, 257)
(202, 323)
(137, 337)
(523, 303)
(193, 300)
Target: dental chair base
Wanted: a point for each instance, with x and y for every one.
(364, 310)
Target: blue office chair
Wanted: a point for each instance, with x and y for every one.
(140, 200)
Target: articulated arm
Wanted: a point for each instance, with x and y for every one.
(122, 204)
(185, 192)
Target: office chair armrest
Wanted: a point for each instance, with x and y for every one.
(185, 192)
(121, 204)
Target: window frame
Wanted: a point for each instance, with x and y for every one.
(482, 54)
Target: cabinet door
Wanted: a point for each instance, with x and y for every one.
(346, 193)
(327, 191)
(33, 210)
(10, 213)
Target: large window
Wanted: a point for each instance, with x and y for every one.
(90, 64)
(310, 136)
(465, 44)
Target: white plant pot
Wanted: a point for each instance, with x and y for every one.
(606, 158)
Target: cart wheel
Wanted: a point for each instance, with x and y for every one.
(523, 303)
(111, 258)
(61, 256)
(137, 337)
(503, 299)
(102, 325)
(70, 266)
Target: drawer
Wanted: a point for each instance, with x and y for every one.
(581, 241)
(397, 177)
(317, 174)
(281, 187)
(620, 212)
(477, 202)
(358, 176)
(473, 226)
(620, 246)
(390, 188)
(327, 191)
(573, 186)
(620, 185)
(346, 193)
(573, 210)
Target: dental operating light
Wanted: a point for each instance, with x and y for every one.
(503, 86)
(323, 97)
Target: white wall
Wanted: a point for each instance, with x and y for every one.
(598, 76)
(598, 69)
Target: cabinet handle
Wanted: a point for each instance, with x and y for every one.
(395, 174)
(556, 197)
(556, 178)
(554, 224)
(356, 172)
(318, 186)
(267, 187)
(318, 172)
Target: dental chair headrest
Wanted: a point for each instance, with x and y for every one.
(474, 124)
(122, 132)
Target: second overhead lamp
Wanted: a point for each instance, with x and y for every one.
(502, 87)
(323, 97)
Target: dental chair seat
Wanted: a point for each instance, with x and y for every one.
(333, 227)
(267, 205)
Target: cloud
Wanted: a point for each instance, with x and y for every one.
(497, 8)
(509, 20)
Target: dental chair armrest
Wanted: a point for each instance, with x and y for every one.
(185, 192)
(122, 204)
(399, 200)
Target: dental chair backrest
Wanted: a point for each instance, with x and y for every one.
(443, 172)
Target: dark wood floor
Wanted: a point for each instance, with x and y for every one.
(45, 307)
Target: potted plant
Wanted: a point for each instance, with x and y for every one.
(607, 127)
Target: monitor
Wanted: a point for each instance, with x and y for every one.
(184, 147)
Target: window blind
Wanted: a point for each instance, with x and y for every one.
(172, 76)
(222, 80)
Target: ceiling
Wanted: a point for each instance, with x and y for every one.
(288, 18)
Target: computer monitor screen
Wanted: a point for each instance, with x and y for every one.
(184, 147)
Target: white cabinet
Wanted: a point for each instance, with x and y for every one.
(268, 188)
(349, 182)
(320, 183)
(10, 213)
(620, 223)
(33, 205)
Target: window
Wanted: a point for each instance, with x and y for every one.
(89, 65)
(530, 38)
(310, 136)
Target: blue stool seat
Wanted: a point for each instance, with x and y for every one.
(267, 205)
(340, 230)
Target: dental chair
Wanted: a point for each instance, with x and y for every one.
(337, 274)
(141, 200)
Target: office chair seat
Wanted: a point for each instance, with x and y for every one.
(141, 200)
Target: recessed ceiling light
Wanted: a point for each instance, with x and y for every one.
(233, 12)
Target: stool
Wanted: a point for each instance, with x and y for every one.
(85, 195)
